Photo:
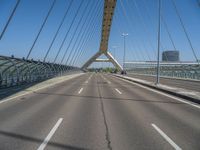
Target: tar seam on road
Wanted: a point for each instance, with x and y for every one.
(104, 118)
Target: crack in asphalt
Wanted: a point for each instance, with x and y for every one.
(104, 118)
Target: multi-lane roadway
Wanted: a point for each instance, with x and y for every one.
(99, 112)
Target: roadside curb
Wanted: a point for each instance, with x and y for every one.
(153, 86)
(43, 85)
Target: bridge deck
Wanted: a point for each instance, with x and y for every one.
(98, 112)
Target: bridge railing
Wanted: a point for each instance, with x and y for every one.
(16, 71)
(174, 70)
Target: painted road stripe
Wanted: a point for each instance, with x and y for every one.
(79, 92)
(118, 91)
(89, 78)
(51, 133)
(105, 79)
(161, 93)
(173, 144)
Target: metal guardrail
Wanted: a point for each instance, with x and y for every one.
(181, 70)
(16, 71)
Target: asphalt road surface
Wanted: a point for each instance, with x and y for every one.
(179, 83)
(98, 112)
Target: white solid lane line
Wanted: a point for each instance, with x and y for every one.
(173, 144)
(108, 82)
(118, 91)
(89, 78)
(164, 94)
(79, 92)
(51, 133)
(106, 79)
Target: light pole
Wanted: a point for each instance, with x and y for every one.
(158, 55)
(124, 57)
(114, 49)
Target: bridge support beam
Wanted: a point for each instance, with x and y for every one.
(98, 54)
(109, 6)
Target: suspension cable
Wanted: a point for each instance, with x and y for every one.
(118, 25)
(139, 46)
(56, 34)
(41, 28)
(150, 18)
(169, 34)
(144, 24)
(77, 51)
(10, 18)
(81, 28)
(126, 16)
(67, 33)
(84, 30)
(82, 45)
(89, 36)
(185, 31)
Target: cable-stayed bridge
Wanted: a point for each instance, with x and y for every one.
(99, 74)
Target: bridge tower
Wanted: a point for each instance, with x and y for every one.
(109, 6)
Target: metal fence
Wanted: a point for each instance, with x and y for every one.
(16, 71)
(186, 70)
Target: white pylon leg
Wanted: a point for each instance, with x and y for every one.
(91, 60)
(113, 61)
(108, 55)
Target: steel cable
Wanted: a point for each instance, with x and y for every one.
(85, 44)
(10, 18)
(90, 27)
(84, 31)
(67, 33)
(41, 28)
(185, 31)
(126, 16)
(56, 34)
(81, 28)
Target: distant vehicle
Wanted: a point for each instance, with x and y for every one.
(123, 72)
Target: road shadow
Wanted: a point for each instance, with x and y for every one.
(38, 141)
(8, 91)
(90, 97)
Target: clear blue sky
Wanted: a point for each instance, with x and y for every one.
(138, 18)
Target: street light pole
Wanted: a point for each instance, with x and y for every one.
(158, 55)
(114, 49)
(124, 57)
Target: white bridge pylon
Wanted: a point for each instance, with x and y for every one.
(109, 6)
